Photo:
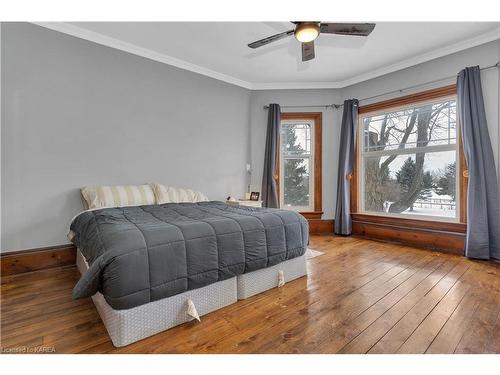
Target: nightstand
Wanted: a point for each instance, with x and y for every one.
(245, 202)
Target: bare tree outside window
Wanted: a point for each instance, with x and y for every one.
(409, 160)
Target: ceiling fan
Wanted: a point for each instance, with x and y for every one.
(307, 32)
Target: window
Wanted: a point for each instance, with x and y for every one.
(296, 165)
(299, 174)
(410, 159)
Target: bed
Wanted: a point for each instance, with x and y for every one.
(144, 266)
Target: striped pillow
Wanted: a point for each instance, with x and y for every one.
(169, 194)
(117, 196)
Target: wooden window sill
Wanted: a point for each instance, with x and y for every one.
(407, 223)
(435, 235)
(312, 214)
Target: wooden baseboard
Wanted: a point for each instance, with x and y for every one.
(319, 226)
(447, 237)
(37, 259)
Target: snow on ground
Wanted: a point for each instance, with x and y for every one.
(434, 205)
(434, 195)
(431, 212)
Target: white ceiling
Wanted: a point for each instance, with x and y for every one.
(219, 49)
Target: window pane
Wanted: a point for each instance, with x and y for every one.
(296, 139)
(426, 125)
(296, 173)
(414, 184)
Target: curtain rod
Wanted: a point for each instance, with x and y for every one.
(337, 106)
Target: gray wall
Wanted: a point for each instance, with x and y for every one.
(331, 134)
(76, 113)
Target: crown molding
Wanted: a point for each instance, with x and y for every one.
(424, 57)
(107, 41)
(92, 36)
(296, 85)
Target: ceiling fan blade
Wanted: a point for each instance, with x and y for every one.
(307, 51)
(357, 29)
(270, 39)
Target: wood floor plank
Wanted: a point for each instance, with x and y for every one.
(359, 295)
(477, 337)
(425, 333)
(451, 333)
(375, 331)
(398, 334)
(428, 331)
(494, 344)
(343, 334)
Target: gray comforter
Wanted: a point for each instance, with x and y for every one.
(142, 254)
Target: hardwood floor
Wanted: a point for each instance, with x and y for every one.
(361, 296)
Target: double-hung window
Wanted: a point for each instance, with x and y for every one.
(299, 175)
(409, 160)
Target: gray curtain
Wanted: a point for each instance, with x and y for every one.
(343, 222)
(269, 190)
(483, 212)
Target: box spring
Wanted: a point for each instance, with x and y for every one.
(128, 326)
(252, 283)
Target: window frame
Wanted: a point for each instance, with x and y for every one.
(316, 159)
(309, 157)
(435, 222)
(454, 147)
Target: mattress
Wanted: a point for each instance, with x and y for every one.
(127, 326)
(147, 253)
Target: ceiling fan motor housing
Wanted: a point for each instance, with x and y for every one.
(307, 31)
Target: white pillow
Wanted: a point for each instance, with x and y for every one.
(169, 194)
(117, 196)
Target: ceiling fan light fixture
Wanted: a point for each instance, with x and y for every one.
(307, 31)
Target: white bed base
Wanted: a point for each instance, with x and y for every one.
(255, 282)
(131, 325)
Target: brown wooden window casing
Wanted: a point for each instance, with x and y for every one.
(383, 224)
(315, 118)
